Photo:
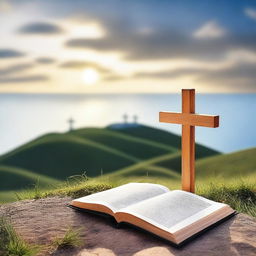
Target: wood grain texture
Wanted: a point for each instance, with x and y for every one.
(188, 143)
(189, 119)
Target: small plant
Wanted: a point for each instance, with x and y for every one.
(74, 186)
(34, 193)
(77, 178)
(71, 239)
(11, 244)
(18, 196)
(37, 192)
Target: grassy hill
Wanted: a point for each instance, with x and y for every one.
(134, 146)
(232, 170)
(95, 151)
(226, 168)
(113, 156)
(63, 155)
(13, 177)
(161, 136)
(239, 164)
(135, 151)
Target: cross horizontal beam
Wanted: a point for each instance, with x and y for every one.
(189, 119)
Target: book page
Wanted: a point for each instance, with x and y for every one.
(169, 210)
(125, 195)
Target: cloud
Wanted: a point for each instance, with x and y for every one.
(24, 79)
(166, 74)
(45, 60)
(146, 31)
(15, 74)
(209, 30)
(14, 69)
(139, 39)
(115, 77)
(5, 6)
(250, 12)
(10, 53)
(73, 64)
(234, 72)
(169, 74)
(164, 44)
(237, 77)
(106, 73)
(240, 76)
(41, 28)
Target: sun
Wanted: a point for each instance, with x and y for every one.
(90, 76)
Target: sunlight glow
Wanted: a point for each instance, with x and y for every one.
(91, 30)
(90, 76)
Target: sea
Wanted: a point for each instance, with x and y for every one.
(24, 117)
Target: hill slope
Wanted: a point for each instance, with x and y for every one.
(95, 151)
(161, 136)
(228, 167)
(134, 146)
(238, 164)
(63, 155)
(12, 178)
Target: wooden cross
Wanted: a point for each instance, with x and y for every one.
(135, 119)
(125, 117)
(71, 122)
(189, 120)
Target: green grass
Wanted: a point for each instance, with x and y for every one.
(163, 137)
(237, 164)
(71, 239)
(153, 170)
(111, 157)
(172, 159)
(240, 194)
(8, 196)
(137, 147)
(60, 156)
(11, 244)
(17, 178)
(93, 150)
(223, 168)
(76, 186)
(242, 198)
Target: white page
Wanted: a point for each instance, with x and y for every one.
(125, 195)
(170, 209)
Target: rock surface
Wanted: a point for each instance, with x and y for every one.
(41, 221)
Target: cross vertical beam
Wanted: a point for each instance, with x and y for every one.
(71, 122)
(188, 119)
(188, 143)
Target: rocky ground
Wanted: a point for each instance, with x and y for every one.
(41, 221)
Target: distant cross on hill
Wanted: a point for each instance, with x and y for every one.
(135, 119)
(71, 123)
(125, 117)
(189, 120)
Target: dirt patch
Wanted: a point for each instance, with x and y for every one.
(41, 221)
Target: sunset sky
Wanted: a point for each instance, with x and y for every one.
(135, 46)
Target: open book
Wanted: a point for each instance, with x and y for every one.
(173, 215)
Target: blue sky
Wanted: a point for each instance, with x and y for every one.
(114, 46)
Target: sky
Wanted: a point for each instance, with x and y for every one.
(135, 46)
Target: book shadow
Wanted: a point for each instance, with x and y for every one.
(102, 231)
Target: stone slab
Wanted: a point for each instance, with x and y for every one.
(41, 221)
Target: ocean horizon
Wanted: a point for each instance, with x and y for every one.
(24, 117)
